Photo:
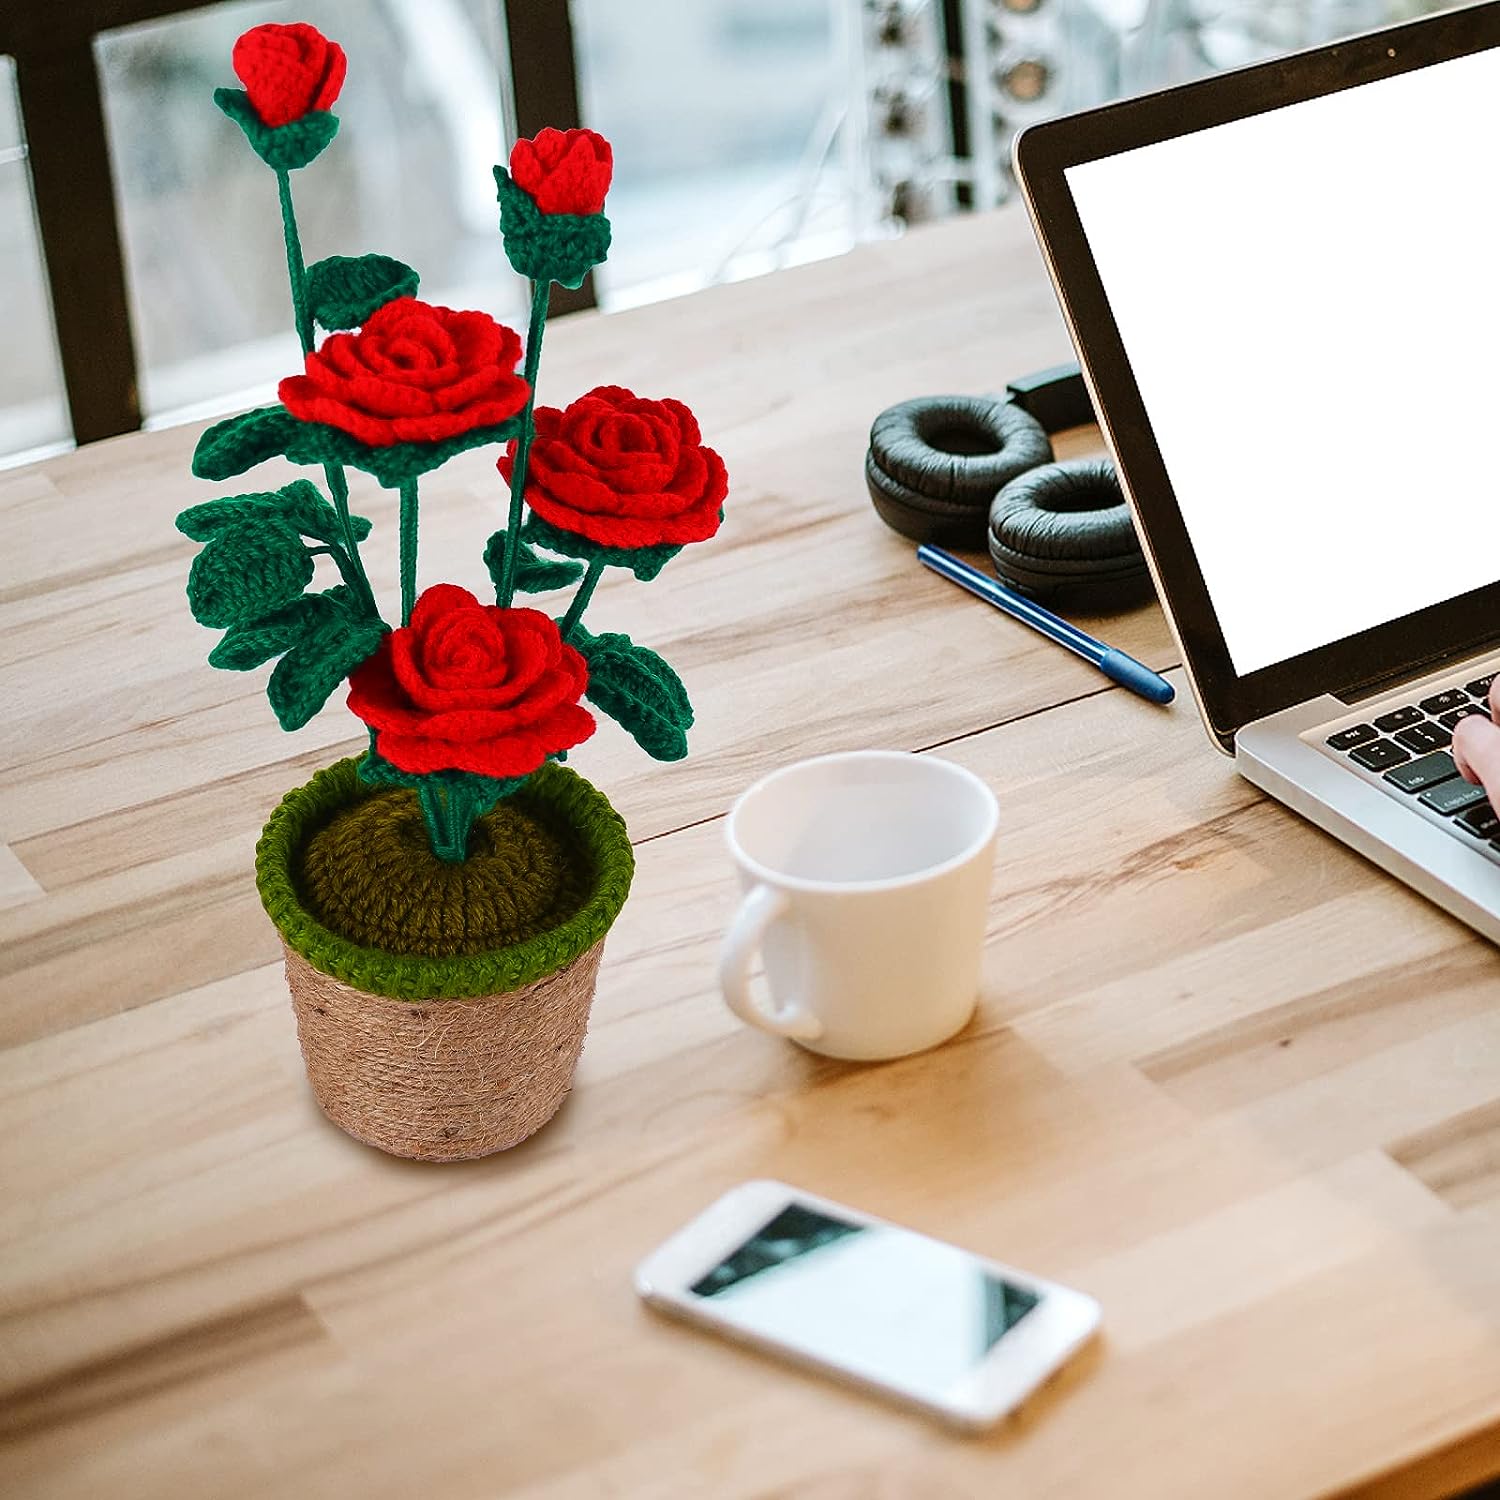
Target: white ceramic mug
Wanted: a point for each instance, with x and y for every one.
(866, 879)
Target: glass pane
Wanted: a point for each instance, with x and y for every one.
(10, 110)
(1183, 39)
(33, 409)
(410, 175)
(726, 120)
(1040, 58)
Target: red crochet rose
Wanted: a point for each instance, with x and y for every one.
(623, 471)
(472, 687)
(565, 171)
(413, 374)
(288, 71)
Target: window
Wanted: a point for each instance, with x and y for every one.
(725, 118)
(750, 134)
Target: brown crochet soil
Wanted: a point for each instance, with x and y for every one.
(370, 875)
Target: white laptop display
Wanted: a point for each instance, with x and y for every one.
(1284, 288)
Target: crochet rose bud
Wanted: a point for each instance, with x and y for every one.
(565, 171)
(289, 71)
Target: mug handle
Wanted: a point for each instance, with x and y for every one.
(763, 906)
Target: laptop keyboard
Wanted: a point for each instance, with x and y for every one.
(1407, 747)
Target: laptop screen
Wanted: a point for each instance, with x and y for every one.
(1309, 299)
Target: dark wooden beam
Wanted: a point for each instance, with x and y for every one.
(30, 27)
(544, 73)
(958, 99)
(68, 152)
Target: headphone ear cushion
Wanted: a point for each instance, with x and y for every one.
(958, 447)
(946, 522)
(1063, 532)
(936, 462)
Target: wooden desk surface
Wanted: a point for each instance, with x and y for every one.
(1225, 1076)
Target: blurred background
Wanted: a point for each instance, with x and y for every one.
(749, 135)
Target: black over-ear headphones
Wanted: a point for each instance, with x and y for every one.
(968, 471)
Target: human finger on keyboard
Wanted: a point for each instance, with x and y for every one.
(1476, 750)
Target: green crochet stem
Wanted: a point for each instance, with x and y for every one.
(296, 271)
(341, 561)
(408, 549)
(449, 813)
(582, 597)
(338, 486)
(539, 294)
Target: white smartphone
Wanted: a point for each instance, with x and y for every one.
(964, 1338)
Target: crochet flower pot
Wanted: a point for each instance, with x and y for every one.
(441, 1006)
(442, 899)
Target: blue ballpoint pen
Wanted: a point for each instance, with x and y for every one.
(1115, 665)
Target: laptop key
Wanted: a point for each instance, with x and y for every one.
(1480, 687)
(1420, 774)
(1480, 820)
(1450, 720)
(1379, 754)
(1355, 734)
(1452, 796)
(1424, 737)
(1399, 718)
(1440, 703)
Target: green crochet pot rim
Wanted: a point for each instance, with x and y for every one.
(402, 976)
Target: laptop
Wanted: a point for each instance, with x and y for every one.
(1283, 284)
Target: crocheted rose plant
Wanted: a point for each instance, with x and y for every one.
(464, 699)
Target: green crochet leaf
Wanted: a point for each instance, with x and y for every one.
(534, 574)
(376, 770)
(332, 646)
(252, 643)
(316, 443)
(284, 147)
(238, 443)
(344, 290)
(300, 504)
(248, 568)
(637, 689)
(644, 562)
(548, 247)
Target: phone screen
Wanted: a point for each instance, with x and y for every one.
(884, 1303)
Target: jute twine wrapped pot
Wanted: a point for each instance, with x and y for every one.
(468, 1047)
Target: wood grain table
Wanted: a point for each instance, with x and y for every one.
(1225, 1075)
